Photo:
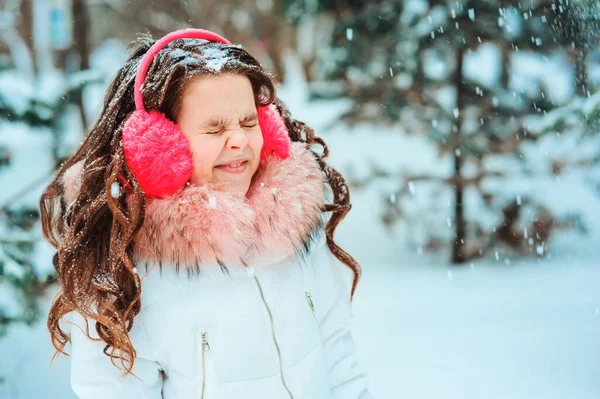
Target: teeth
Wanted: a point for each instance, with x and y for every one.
(236, 165)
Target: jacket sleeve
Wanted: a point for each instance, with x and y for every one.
(347, 379)
(93, 375)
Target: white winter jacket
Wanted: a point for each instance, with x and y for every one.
(275, 325)
(273, 332)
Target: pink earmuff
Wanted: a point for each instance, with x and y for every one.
(158, 153)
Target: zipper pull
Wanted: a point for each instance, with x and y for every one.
(310, 301)
(205, 345)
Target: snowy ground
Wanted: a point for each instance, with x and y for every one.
(486, 333)
(427, 330)
(423, 329)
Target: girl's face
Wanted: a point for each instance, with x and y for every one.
(218, 116)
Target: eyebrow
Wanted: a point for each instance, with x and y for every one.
(218, 122)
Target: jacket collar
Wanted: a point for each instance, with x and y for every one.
(206, 226)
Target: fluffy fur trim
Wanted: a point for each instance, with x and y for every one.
(157, 153)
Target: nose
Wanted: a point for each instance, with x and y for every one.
(237, 139)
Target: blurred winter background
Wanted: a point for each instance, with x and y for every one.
(468, 130)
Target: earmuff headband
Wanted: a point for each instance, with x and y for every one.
(159, 45)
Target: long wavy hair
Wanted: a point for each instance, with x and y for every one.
(93, 236)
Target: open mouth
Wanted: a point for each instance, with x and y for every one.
(239, 167)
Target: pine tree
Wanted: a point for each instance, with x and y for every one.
(20, 233)
(383, 51)
(36, 100)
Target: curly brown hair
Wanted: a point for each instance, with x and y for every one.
(94, 235)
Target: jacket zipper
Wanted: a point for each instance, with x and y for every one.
(205, 347)
(312, 306)
(274, 338)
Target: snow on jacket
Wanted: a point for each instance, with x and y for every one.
(241, 298)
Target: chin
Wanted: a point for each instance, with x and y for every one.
(241, 188)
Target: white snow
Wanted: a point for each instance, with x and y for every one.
(484, 65)
(435, 65)
(472, 14)
(216, 58)
(30, 161)
(523, 330)
(107, 58)
(349, 34)
(16, 89)
(533, 74)
(114, 189)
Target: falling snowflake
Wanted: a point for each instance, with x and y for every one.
(114, 189)
(472, 14)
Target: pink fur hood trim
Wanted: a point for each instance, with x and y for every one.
(206, 225)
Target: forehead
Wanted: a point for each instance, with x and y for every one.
(221, 96)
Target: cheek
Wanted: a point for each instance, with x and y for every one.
(256, 143)
(204, 155)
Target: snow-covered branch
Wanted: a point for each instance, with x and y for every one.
(20, 53)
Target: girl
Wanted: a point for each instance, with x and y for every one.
(192, 251)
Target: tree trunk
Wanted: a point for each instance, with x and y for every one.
(81, 27)
(581, 79)
(273, 36)
(25, 29)
(506, 56)
(458, 255)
